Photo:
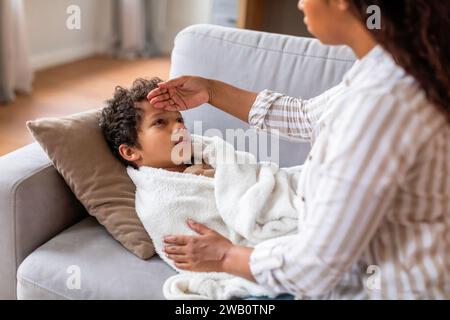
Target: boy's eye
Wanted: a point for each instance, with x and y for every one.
(158, 122)
(180, 120)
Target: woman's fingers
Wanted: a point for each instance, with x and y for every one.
(177, 240)
(160, 98)
(167, 101)
(166, 95)
(174, 250)
(156, 92)
(166, 105)
(177, 258)
(197, 227)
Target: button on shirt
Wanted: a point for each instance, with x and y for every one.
(376, 190)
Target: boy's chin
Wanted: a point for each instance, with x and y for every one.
(181, 153)
(182, 159)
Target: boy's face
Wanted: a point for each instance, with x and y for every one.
(164, 141)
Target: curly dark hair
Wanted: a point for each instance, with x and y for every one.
(120, 119)
(415, 33)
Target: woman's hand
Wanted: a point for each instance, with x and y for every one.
(181, 93)
(203, 253)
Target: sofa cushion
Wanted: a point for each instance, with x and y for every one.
(106, 270)
(78, 150)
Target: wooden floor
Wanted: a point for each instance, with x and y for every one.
(71, 88)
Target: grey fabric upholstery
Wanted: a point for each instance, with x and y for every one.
(36, 205)
(106, 270)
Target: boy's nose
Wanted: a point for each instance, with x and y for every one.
(180, 126)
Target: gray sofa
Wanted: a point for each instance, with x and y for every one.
(44, 230)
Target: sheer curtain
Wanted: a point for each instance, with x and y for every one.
(132, 29)
(16, 74)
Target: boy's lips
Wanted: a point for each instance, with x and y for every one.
(182, 140)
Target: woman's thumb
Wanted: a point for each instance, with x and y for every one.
(197, 227)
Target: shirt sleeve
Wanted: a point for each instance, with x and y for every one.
(370, 150)
(290, 117)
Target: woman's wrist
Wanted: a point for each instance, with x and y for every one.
(232, 100)
(237, 262)
(211, 88)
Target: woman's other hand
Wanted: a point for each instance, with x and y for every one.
(181, 93)
(203, 253)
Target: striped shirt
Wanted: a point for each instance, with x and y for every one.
(375, 190)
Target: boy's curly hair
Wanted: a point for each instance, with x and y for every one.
(120, 119)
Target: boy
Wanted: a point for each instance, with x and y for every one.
(140, 135)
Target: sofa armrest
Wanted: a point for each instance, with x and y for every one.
(35, 205)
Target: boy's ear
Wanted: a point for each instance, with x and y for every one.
(129, 153)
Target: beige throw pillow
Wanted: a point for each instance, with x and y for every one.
(79, 152)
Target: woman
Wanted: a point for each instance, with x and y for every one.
(376, 186)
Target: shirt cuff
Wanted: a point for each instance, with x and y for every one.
(266, 262)
(261, 106)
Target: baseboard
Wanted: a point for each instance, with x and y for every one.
(66, 55)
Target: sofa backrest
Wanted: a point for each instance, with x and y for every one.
(299, 67)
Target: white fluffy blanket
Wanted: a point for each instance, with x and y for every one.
(246, 201)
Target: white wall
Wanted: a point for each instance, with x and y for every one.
(52, 43)
(171, 16)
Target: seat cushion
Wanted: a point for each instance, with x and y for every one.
(85, 262)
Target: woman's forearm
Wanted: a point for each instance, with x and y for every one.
(232, 100)
(236, 262)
